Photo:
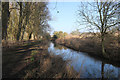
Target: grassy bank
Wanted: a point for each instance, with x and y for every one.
(30, 59)
(92, 46)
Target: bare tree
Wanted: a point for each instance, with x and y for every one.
(5, 19)
(101, 16)
(20, 21)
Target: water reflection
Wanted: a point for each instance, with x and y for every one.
(56, 46)
(102, 70)
(87, 67)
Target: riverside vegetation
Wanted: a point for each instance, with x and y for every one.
(32, 60)
(90, 43)
(26, 41)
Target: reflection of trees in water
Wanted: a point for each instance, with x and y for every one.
(119, 73)
(59, 47)
(102, 70)
(110, 72)
(106, 72)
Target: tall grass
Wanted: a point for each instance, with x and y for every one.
(92, 44)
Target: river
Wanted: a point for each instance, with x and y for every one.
(89, 67)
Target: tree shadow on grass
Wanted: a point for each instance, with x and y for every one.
(13, 57)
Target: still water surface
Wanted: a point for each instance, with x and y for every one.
(89, 67)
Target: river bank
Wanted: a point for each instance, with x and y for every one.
(87, 66)
(43, 59)
(92, 47)
(31, 59)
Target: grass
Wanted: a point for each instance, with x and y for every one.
(34, 52)
(92, 46)
(34, 62)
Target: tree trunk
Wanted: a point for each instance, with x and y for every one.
(20, 22)
(23, 32)
(118, 35)
(102, 44)
(34, 37)
(30, 35)
(5, 19)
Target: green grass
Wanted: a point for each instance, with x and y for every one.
(34, 52)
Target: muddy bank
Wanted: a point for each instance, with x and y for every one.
(33, 61)
(93, 48)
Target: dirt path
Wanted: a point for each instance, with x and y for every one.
(14, 58)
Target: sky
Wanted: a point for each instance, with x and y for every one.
(63, 16)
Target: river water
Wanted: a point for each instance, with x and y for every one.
(89, 67)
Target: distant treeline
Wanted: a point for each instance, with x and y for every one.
(59, 34)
